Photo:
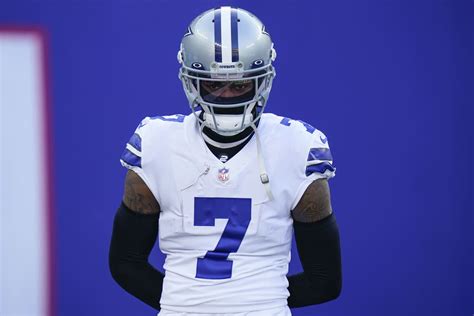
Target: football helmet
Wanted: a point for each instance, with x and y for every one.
(226, 69)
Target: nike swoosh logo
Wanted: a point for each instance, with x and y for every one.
(324, 140)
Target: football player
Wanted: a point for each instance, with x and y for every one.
(225, 187)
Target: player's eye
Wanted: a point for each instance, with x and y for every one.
(242, 85)
(213, 85)
(238, 87)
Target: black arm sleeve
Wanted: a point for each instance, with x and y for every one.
(320, 255)
(133, 238)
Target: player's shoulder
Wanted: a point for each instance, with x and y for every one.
(157, 129)
(162, 121)
(152, 136)
(157, 126)
(294, 130)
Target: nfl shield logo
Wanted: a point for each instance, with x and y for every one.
(223, 174)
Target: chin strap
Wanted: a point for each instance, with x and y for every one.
(261, 165)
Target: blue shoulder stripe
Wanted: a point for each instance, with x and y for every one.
(136, 142)
(287, 122)
(131, 159)
(170, 118)
(319, 168)
(319, 154)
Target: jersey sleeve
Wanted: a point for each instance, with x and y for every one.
(319, 164)
(132, 156)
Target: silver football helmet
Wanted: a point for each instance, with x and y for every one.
(226, 69)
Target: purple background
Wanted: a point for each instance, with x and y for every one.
(390, 83)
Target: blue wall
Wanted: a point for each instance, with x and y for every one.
(390, 82)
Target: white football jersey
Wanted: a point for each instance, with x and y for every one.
(227, 244)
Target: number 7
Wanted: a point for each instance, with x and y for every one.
(215, 264)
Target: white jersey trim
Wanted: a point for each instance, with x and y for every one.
(133, 150)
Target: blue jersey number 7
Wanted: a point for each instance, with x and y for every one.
(215, 264)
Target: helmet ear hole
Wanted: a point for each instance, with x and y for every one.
(180, 56)
(273, 54)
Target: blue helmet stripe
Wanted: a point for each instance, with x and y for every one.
(217, 36)
(235, 36)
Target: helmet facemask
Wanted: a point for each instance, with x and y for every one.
(231, 102)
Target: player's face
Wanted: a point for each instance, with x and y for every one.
(228, 89)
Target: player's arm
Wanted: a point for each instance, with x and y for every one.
(134, 235)
(317, 240)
